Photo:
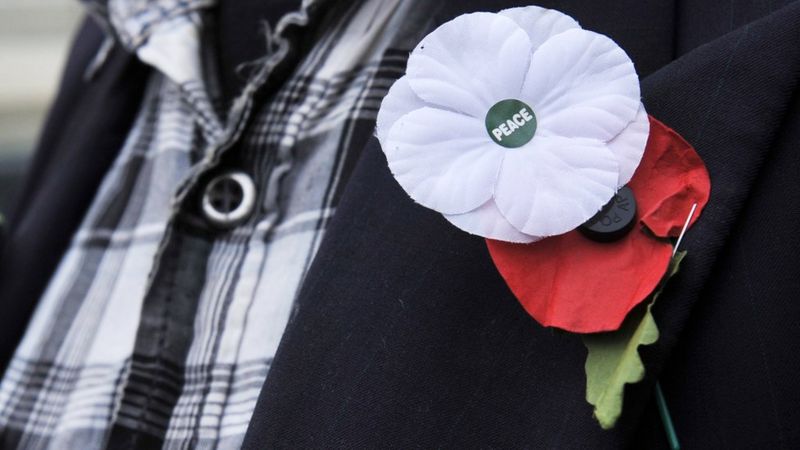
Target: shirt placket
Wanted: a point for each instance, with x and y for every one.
(164, 332)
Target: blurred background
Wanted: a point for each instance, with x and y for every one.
(34, 38)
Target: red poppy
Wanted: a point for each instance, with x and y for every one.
(579, 285)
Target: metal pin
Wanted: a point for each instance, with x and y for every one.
(685, 227)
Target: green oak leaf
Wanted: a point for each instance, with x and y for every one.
(613, 359)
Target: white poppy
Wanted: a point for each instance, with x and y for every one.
(516, 125)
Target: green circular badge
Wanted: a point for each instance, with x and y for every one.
(511, 123)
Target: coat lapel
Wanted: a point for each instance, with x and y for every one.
(729, 98)
(405, 334)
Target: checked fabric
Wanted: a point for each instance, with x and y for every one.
(155, 330)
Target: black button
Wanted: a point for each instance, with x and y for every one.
(229, 199)
(615, 220)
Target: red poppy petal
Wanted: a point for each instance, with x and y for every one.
(670, 178)
(579, 285)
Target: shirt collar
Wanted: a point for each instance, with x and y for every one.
(134, 21)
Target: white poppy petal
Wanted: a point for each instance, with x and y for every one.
(581, 84)
(629, 145)
(540, 23)
(400, 100)
(553, 185)
(470, 63)
(444, 160)
(487, 221)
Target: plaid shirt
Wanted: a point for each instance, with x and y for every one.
(157, 330)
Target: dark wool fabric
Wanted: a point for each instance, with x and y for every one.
(395, 342)
(405, 335)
